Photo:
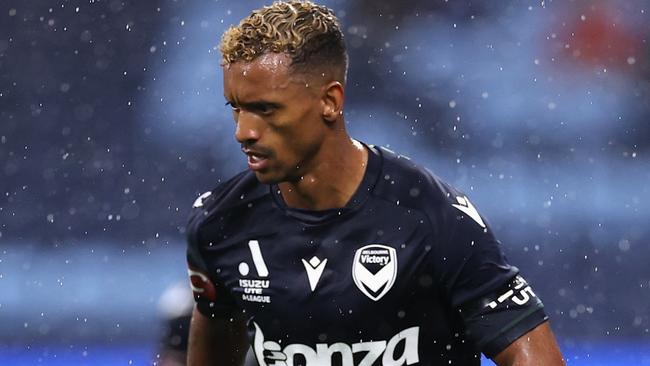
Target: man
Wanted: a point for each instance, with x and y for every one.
(328, 251)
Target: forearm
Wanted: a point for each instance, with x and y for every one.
(217, 342)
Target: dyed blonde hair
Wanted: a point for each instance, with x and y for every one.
(309, 34)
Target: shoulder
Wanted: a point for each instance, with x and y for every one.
(466, 257)
(240, 189)
(414, 187)
(412, 184)
(228, 196)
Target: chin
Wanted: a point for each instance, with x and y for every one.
(267, 178)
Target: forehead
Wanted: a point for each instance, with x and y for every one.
(268, 73)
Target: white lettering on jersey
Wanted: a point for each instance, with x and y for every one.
(314, 270)
(270, 353)
(374, 349)
(258, 284)
(467, 208)
(375, 285)
(374, 259)
(523, 296)
(254, 289)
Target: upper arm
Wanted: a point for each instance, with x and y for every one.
(537, 347)
(212, 297)
(216, 341)
(218, 327)
(496, 305)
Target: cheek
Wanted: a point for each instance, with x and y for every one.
(307, 130)
(298, 134)
(294, 144)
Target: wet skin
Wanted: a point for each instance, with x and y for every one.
(291, 127)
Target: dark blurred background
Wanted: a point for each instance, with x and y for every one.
(112, 121)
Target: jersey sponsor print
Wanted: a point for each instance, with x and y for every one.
(314, 268)
(399, 350)
(254, 289)
(408, 272)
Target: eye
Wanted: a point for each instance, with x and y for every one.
(234, 107)
(265, 109)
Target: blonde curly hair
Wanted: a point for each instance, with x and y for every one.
(308, 33)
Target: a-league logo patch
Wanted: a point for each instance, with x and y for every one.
(374, 270)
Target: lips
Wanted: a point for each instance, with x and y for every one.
(256, 160)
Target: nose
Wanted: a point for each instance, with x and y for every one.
(248, 128)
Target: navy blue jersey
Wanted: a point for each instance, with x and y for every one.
(406, 273)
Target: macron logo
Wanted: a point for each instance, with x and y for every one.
(467, 208)
(314, 270)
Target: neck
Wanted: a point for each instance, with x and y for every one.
(335, 174)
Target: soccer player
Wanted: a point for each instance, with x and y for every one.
(328, 251)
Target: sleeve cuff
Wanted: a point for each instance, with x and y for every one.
(514, 330)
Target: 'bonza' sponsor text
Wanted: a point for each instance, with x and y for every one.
(401, 349)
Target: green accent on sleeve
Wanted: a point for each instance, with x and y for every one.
(511, 325)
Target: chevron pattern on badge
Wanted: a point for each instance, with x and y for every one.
(374, 270)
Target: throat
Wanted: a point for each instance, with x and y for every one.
(330, 187)
(313, 196)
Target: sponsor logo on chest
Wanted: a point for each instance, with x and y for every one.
(255, 290)
(401, 349)
(374, 270)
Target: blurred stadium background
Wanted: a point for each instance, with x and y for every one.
(112, 122)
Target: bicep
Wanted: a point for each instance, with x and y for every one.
(537, 347)
(495, 320)
(216, 341)
(496, 305)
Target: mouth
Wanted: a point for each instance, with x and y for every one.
(256, 161)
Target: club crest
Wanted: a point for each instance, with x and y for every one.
(374, 270)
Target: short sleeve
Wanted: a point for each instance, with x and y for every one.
(496, 305)
(469, 259)
(212, 298)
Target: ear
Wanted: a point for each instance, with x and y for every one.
(332, 99)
